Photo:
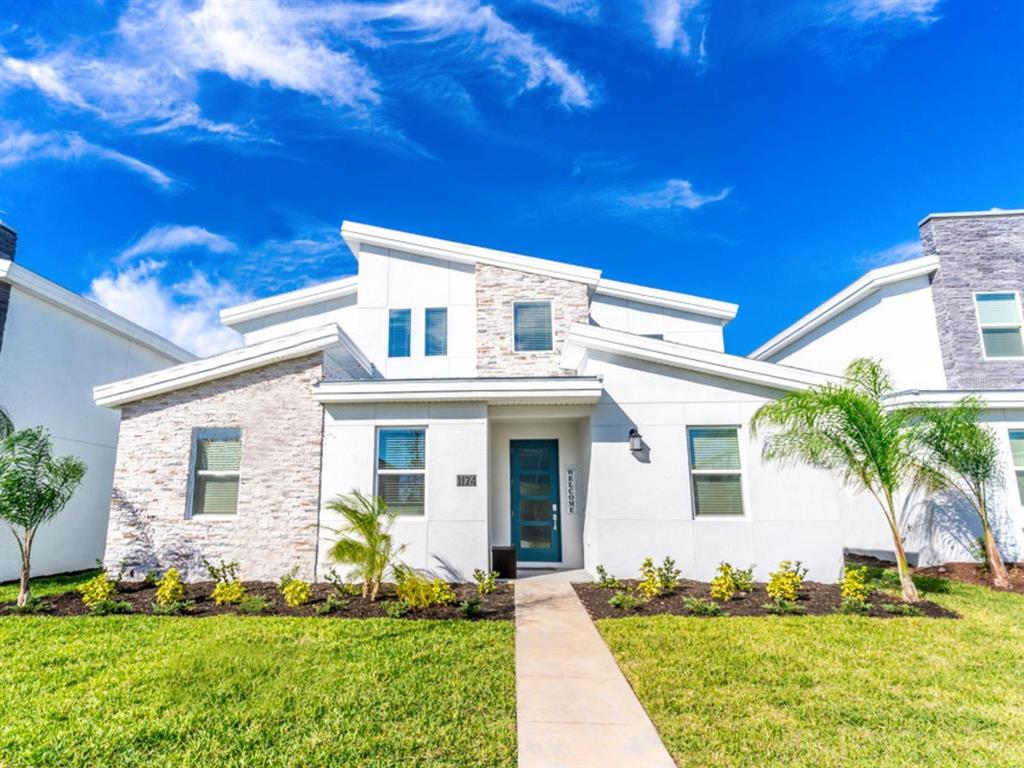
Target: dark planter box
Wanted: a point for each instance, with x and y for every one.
(503, 560)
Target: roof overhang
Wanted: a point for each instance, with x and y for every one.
(556, 390)
(79, 306)
(583, 338)
(850, 296)
(993, 399)
(657, 297)
(325, 339)
(994, 212)
(357, 235)
(284, 302)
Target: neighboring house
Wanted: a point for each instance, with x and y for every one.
(493, 400)
(55, 346)
(945, 325)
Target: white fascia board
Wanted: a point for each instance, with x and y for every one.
(670, 299)
(850, 296)
(994, 212)
(356, 234)
(553, 391)
(229, 363)
(79, 306)
(994, 399)
(690, 358)
(283, 302)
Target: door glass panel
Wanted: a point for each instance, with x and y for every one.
(535, 536)
(533, 458)
(535, 510)
(531, 484)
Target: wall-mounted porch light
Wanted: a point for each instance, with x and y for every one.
(636, 441)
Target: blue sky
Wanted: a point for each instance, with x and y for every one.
(169, 158)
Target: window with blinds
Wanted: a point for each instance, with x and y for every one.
(436, 339)
(715, 471)
(401, 468)
(399, 332)
(216, 465)
(532, 326)
(999, 318)
(1017, 451)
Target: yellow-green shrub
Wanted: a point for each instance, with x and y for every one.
(723, 586)
(854, 587)
(743, 579)
(228, 592)
(785, 583)
(650, 585)
(98, 589)
(296, 592)
(419, 592)
(169, 589)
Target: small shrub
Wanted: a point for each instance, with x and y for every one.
(228, 592)
(169, 589)
(701, 607)
(723, 586)
(176, 608)
(419, 592)
(342, 587)
(854, 607)
(225, 572)
(784, 584)
(470, 608)
(901, 609)
(783, 607)
(486, 582)
(668, 575)
(333, 604)
(97, 590)
(979, 552)
(109, 607)
(152, 578)
(287, 579)
(296, 593)
(251, 604)
(32, 605)
(744, 580)
(625, 601)
(854, 588)
(605, 580)
(396, 609)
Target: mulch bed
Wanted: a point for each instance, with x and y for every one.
(969, 573)
(497, 606)
(816, 599)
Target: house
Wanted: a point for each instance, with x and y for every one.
(55, 346)
(494, 400)
(945, 325)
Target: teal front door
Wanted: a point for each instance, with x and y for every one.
(535, 511)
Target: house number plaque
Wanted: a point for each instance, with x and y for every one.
(465, 481)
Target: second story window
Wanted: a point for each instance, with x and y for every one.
(1017, 451)
(436, 339)
(999, 318)
(399, 332)
(532, 321)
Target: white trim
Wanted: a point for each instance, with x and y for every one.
(994, 212)
(657, 297)
(283, 302)
(226, 364)
(699, 359)
(996, 399)
(738, 472)
(850, 296)
(356, 234)
(79, 306)
(377, 471)
(1019, 325)
(554, 390)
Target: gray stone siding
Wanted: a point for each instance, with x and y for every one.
(275, 528)
(976, 254)
(496, 290)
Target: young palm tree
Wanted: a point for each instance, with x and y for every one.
(846, 428)
(6, 424)
(365, 541)
(963, 456)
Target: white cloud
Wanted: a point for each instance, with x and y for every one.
(186, 312)
(672, 194)
(871, 10)
(894, 254)
(173, 237)
(18, 146)
(669, 21)
(588, 9)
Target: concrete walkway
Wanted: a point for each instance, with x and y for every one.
(575, 709)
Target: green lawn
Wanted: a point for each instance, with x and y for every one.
(835, 690)
(46, 585)
(255, 691)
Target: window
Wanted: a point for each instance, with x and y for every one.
(715, 471)
(399, 324)
(532, 321)
(436, 343)
(401, 468)
(1000, 321)
(216, 461)
(1017, 451)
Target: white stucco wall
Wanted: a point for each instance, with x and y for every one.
(896, 325)
(49, 363)
(645, 319)
(341, 311)
(639, 507)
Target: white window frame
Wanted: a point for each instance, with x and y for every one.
(981, 328)
(377, 472)
(204, 433)
(1015, 469)
(744, 501)
(550, 303)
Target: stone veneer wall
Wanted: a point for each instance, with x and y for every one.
(981, 253)
(496, 289)
(279, 492)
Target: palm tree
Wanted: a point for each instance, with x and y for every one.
(963, 456)
(6, 424)
(365, 541)
(847, 429)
